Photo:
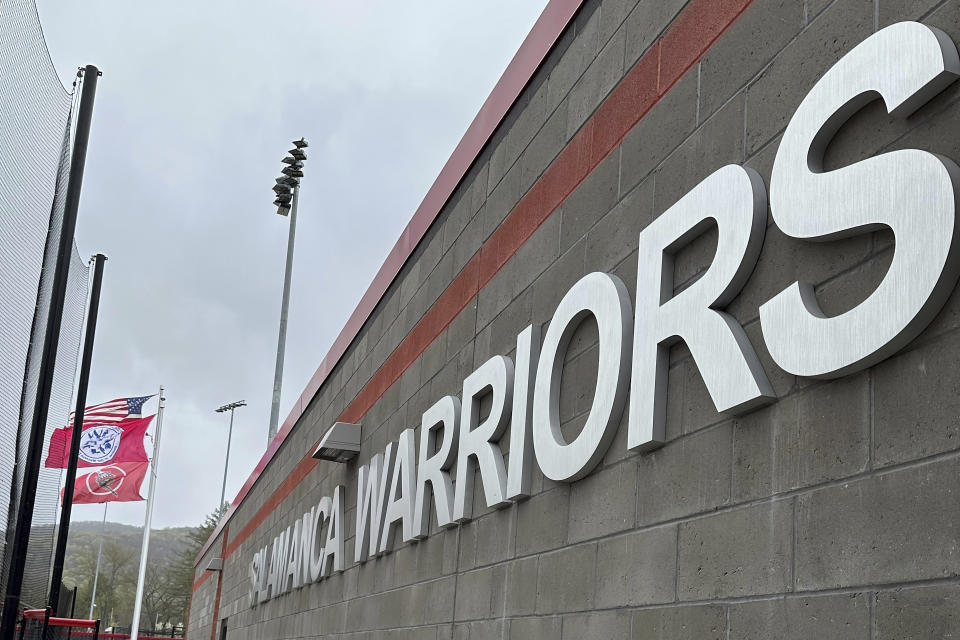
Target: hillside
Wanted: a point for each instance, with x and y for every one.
(169, 570)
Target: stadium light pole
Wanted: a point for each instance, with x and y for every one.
(226, 463)
(287, 190)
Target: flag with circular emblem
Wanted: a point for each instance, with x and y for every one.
(113, 483)
(100, 444)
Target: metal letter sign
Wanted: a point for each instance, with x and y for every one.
(911, 191)
(734, 197)
(435, 462)
(480, 440)
(606, 298)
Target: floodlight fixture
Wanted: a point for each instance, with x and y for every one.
(231, 406)
(283, 209)
(298, 154)
(289, 160)
(300, 144)
(340, 443)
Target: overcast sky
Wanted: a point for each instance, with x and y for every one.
(197, 105)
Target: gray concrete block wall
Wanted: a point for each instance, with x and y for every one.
(831, 513)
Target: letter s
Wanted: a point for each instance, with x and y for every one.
(912, 192)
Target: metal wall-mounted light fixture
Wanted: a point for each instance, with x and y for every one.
(340, 443)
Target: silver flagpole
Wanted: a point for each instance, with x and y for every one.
(145, 547)
(96, 573)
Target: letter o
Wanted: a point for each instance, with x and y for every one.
(606, 298)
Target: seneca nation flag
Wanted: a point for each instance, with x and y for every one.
(101, 444)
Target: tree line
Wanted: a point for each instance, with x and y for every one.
(169, 574)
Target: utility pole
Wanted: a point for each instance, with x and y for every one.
(48, 359)
(91, 330)
(286, 203)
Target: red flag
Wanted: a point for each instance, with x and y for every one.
(101, 444)
(113, 483)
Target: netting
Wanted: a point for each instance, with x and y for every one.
(34, 163)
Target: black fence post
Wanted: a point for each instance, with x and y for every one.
(56, 581)
(48, 358)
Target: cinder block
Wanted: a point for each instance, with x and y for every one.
(545, 628)
(638, 568)
(895, 527)
(612, 15)
(525, 118)
(603, 625)
(578, 384)
(718, 142)
(833, 617)
(918, 613)
(773, 98)
(467, 554)
(474, 591)
(499, 337)
(556, 280)
(438, 600)
(821, 434)
(484, 630)
(501, 201)
(592, 198)
(434, 357)
(496, 535)
(614, 237)
(737, 553)
(702, 622)
(687, 476)
(603, 503)
(661, 131)
(596, 82)
(544, 147)
(646, 22)
(536, 255)
(750, 43)
(520, 588)
(574, 61)
(542, 521)
(916, 403)
(468, 242)
(891, 12)
(567, 579)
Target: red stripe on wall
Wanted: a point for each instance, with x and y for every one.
(665, 62)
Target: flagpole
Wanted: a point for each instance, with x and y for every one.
(145, 547)
(96, 573)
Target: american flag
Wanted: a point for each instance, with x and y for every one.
(113, 410)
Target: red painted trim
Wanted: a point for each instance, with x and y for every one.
(199, 583)
(657, 71)
(531, 54)
(216, 602)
